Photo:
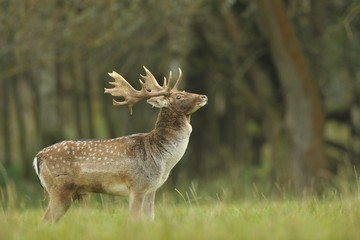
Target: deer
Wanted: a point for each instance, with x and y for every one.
(136, 165)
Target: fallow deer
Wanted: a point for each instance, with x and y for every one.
(135, 165)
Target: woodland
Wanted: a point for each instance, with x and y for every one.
(282, 78)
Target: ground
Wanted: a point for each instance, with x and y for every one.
(306, 218)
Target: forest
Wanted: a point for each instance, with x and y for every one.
(282, 78)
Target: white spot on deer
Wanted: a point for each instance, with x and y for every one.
(35, 165)
(37, 170)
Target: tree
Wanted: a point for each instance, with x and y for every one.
(304, 110)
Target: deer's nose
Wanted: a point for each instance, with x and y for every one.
(204, 97)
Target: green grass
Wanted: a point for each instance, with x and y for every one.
(203, 211)
(334, 218)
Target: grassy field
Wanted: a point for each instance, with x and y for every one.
(188, 218)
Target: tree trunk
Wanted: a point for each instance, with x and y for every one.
(304, 114)
(7, 138)
(20, 122)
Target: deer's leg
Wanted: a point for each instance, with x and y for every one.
(59, 203)
(148, 207)
(136, 203)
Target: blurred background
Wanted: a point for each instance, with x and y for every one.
(282, 78)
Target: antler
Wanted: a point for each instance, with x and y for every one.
(177, 81)
(149, 88)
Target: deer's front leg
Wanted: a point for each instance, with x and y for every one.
(136, 203)
(148, 207)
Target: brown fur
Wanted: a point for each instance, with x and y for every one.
(135, 165)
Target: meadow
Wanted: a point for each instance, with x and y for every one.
(187, 214)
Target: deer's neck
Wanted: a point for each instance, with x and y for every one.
(170, 137)
(169, 119)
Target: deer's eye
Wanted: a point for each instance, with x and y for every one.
(178, 97)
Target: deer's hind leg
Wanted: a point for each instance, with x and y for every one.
(59, 203)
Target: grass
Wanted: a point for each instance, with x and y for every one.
(188, 216)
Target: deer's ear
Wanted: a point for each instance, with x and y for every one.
(159, 102)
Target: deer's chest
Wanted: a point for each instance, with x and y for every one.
(174, 153)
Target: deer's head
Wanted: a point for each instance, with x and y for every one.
(158, 96)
